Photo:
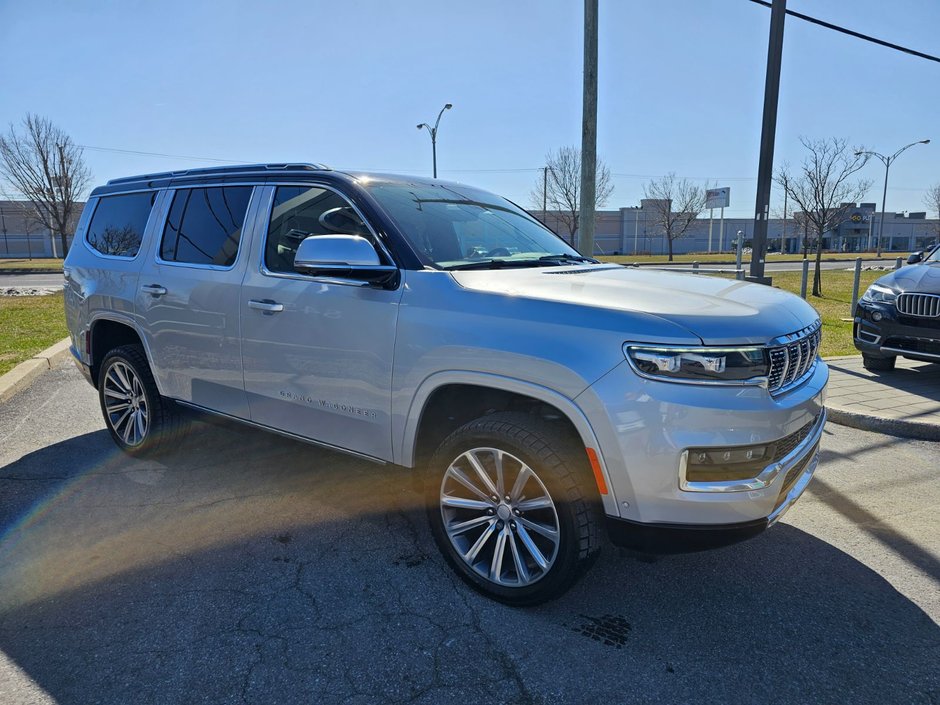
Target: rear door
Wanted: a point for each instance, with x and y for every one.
(317, 351)
(188, 297)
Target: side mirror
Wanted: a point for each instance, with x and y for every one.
(342, 257)
(915, 258)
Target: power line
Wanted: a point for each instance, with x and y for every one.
(853, 33)
(161, 154)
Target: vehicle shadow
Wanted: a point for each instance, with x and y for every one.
(245, 568)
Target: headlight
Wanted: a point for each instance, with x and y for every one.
(732, 365)
(879, 294)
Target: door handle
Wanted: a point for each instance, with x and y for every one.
(266, 305)
(153, 289)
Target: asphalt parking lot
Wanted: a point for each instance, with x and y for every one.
(250, 569)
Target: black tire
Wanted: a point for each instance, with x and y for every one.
(559, 465)
(162, 426)
(878, 364)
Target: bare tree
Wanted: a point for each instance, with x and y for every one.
(46, 167)
(823, 190)
(675, 204)
(932, 201)
(560, 190)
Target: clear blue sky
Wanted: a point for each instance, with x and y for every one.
(345, 83)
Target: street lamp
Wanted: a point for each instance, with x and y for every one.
(433, 131)
(887, 162)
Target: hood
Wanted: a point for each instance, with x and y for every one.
(719, 311)
(915, 278)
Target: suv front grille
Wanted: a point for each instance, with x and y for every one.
(923, 305)
(794, 360)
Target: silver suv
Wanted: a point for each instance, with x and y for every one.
(543, 397)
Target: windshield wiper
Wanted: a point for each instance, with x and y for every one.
(567, 258)
(494, 264)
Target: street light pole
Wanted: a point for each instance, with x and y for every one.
(888, 161)
(433, 132)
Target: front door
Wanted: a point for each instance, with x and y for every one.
(188, 298)
(317, 352)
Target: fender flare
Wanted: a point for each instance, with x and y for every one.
(128, 321)
(566, 406)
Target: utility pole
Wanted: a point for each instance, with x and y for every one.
(589, 132)
(783, 237)
(765, 167)
(433, 132)
(544, 195)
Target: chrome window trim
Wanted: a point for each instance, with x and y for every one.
(765, 478)
(266, 209)
(172, 191)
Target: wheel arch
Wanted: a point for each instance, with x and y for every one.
(109, 331)
(476, 392)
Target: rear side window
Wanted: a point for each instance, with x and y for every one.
(205, 225)
(302, 211)
(118, 223)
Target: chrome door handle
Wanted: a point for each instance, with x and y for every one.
(154, 289)
(266, 305)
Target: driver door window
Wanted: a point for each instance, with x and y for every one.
(300, 212)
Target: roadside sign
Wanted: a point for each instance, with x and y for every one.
(718, 197)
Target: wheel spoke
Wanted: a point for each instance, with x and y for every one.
(114, 394)
(481, 472)
(128, 427)
(528, 505)
(112, 408)
(463, 526)
(496, 564)
(545, 531)
(500, 480)
(522, 573)
(463, 503)
(531, 547)
(122, 377)
(141, 425)
(459, 475)
(470, 555)
(524, 474)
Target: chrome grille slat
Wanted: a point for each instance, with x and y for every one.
(920, 305)
(793, 360)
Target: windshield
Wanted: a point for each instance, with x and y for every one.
(934, 256)
(457, 227)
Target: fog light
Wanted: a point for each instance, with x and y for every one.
(877, 316)
(718, 464)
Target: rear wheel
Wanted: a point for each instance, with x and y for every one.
(878, 364)
(141, 422)
(511, 508)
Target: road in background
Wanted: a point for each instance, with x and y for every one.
(250, 569)
(22, 281)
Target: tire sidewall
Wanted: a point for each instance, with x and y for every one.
(565, 567)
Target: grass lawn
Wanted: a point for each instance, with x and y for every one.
(38, 265)
(28, 325)
(833, 306)
(887, 258)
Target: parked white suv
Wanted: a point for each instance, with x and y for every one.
(542, 396)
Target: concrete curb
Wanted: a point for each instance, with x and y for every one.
(893, 427)
(25, 373)
(904, 428)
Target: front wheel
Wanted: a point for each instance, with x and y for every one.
(878, 364)
(512, 509)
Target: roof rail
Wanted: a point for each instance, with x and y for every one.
(220, 170)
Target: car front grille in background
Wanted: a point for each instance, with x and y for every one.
(792, 361)
(924, 305)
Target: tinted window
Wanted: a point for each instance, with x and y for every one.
(301, 211)
(205, 225)
(118, 224)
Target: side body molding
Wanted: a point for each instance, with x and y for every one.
(565, 405)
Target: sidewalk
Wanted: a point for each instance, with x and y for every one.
(903, 402)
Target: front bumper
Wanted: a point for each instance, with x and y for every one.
(894, 334)
(644, 427)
